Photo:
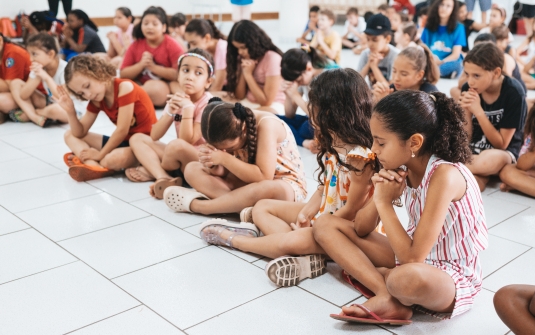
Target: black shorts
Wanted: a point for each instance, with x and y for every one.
(105, 139)
(528, 11)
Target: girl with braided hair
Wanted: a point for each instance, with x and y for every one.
(249, 156)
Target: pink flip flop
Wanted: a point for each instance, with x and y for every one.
(357, 285)
(372, 318)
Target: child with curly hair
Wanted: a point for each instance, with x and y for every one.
(124, 102)
(254, 69)
(434, 264)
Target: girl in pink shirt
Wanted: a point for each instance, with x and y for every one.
(184, 109)
(152, 59)
(120, 39)
(201, 33)
(254, 68)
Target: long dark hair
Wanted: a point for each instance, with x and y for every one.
(159, 12)
(294, 62)
(81, 15)
(433, 20)
(204, 27)
(340, 102)
(257, 42)
(440, 122)
(127, 13)
(223, 121)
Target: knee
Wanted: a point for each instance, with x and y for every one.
(137, 139)
(175, 147)
(15, 84)
(506, 172)
(116, 160)
(67, 135)
(321, 228)
(261, 208)
(406, 281)
(504, 299)
(192, 170)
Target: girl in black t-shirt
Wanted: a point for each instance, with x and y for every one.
(413, 69)
(495, 108)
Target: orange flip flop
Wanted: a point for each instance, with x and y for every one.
(69, 157)
(372, 318)
(89, 172)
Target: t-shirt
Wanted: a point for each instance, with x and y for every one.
(516, 74)
(220, 55)
(441, 42)
(144, 114)
(15, 62)
(88, 36)
(508, 111)
(333, 41)
(425, 87)
(361, 26)
(166, 54)
(58, 78)
(385, 64)
(197, 114)
(268, 66)
(467, 31)
(311, 33)
(128, 33)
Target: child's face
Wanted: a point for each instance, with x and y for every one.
(40, 56)
(230, 146)
(177, 31)
(462, 13)
(74, 22)
(478, 78)
(353, 19)
(197, 41)
(400, 38)
(87, 88)
(445, 9)
(313, 17)
(120, 20)
(194, 76)
(306, 76)
(395, 21)
(390, 150)
(502, 44)
(404, 76)
(324, 22)
(390, 12)
(243, 52)
(496, 18)
(152, 27)
(377, 43)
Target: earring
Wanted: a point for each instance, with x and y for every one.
(413, 155)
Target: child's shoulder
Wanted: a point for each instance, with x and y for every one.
(512, 88)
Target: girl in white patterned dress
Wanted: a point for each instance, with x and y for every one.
(433, 265)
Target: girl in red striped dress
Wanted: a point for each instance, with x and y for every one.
(433, 264)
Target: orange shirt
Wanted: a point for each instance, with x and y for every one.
(15, 62)
(144, 114)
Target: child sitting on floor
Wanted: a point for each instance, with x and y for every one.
(347, 165)
(354, 30)
(299, 67)
(120, 39)
(184, 109)
(125, 103)
(521, 177)
(495, 108)
(80, 35)
(327, 40)
(177, 28)
(515, 305)
(312, 26)
(250, 156)
(434, 264)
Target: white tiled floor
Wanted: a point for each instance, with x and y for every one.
(105, 258)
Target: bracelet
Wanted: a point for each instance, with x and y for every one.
(167, 111)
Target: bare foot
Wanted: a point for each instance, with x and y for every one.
(506, 188)
(138, 174)
(311, 145)
(387, 307)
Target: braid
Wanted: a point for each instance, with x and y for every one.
(250, 123)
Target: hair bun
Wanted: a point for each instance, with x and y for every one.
(214, 99)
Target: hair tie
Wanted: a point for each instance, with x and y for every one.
(214, 99)
(239, 111)
(306, 48)
(433, 97)
(187, 54)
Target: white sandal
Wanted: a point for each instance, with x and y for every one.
(179, 198)
(289, 271)
(213, 236)
(246, 215)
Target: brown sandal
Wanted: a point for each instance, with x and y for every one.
(161, 184)
(128, 173)
(89, 172)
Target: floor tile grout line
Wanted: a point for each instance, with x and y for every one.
(501, 267)
(16, 231)
(30, 179)
(513, 202)
(510, 217)
(14, 160)
(36, 273)
(111, 316)
(56, 203)
(526, 245)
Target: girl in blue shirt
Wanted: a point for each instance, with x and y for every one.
(445, 37)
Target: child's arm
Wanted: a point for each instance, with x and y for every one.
(266, 96)
(160, 128)
(219, 80)
(359, 189)
(529, 65)
(363, 66)
(167, 73)
(447, 184)
(314, 41)
(241, 87)
(526, 161)
(71, 44)
(332, 50)
(79, 128)
(190, 131)
(373, 64)
(291, 91)
(131, 69)
(41, 74)
(115, 48)
(29, 88)
(455, 54)
(366, 219)
(309, 211)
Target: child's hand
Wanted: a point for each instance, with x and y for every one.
(302, 221)
(389, 185)
(64, 100)
(146, 59)
(178, 101)
(374, 59)
(381, 90)
(90, 154)
(217, 170)
(112, 35)
(470, 101)
(290, 88)
(25, 21)
(127, 40)
(210, 156)
(67, 31)
(312, 26)
(38, 70)
(248, 66)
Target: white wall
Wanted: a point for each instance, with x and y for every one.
(105, 8)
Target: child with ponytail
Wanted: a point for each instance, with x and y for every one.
(249, 156)
(184, 110)
(126, 105)
(203, 34)
(80, 35)
(406, 36)
(495, 108)
(414, 69)
(347, 165)
(120, 39)
(434, 264)
(299, 67)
